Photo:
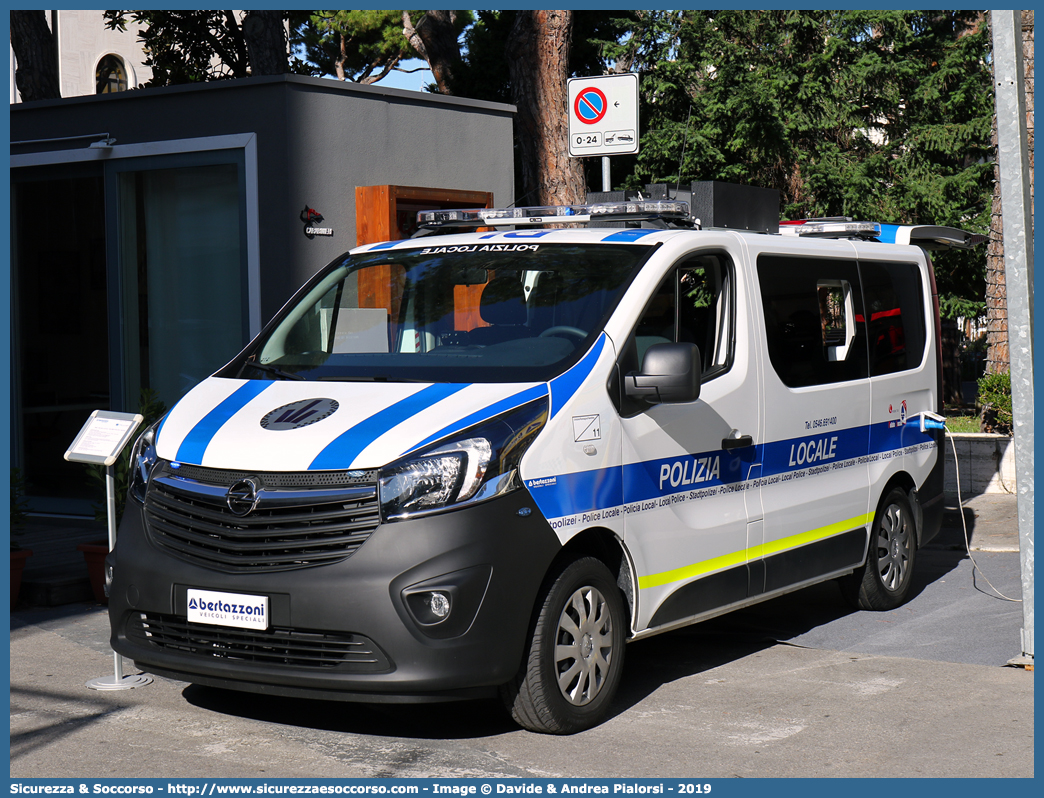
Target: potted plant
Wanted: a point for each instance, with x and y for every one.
(995, 401)
(94, 555)
(19, 515)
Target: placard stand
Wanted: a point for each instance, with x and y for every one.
(99, 442)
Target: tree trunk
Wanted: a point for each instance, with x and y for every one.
(538, 63)
(33, 43)
(265, 38)
(437, 43)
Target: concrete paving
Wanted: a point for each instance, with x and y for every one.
(798, 687)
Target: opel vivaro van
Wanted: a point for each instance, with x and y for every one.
(483, 462)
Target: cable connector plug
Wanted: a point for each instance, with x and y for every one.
(927, 420)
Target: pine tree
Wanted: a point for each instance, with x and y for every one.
(879, 115)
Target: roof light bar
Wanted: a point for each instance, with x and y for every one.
(832, 229)
(636, 210)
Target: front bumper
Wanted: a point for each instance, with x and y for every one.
(349, 630)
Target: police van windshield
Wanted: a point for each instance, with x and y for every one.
(478, 312)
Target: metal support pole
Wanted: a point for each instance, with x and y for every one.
(110, 505)
(118, 681)
(1016, 206)
(606, 182)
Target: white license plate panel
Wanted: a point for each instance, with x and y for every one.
(227, 609)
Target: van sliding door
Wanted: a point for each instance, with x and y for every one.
(814, 482)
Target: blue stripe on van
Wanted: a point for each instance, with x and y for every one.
(605, 488)
(565, 385)
(199, 437)
(342, 450)
(495, 409)
(629, 235)
(159, 428)
(888, 233)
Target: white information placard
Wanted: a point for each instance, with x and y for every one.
(103, 437)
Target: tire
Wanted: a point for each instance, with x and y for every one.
(883, 583)
(576, 650)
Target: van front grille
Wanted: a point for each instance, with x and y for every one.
(191, 519)
(294, 648)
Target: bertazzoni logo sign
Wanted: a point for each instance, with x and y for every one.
(299, 414)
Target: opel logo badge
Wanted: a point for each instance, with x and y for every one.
(242, 497)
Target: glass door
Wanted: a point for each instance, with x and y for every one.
(59, 329)
(182, 263)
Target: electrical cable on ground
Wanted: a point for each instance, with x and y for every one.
(964, 524)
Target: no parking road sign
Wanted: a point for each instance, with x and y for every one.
(590, 105)
(603, 115)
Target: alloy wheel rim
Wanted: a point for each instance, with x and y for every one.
(583, 646)
(893, 547)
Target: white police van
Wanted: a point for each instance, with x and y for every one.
(469, 463)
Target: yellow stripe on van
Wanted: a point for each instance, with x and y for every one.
(753, 553)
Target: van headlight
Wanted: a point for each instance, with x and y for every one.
(142, 459)
(475, 464)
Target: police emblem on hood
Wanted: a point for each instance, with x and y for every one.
(299, 414)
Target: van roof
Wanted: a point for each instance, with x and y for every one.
(646, 222)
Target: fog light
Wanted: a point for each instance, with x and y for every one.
(439, 604)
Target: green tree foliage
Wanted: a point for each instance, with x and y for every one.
(198, 46)
(484, 75)
(995, 399)
(483, 72)
(880, 115)
(357, 46)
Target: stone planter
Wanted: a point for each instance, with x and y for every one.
(18, 558)
(94, 554)
(987, 464)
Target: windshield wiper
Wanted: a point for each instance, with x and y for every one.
(286, 375)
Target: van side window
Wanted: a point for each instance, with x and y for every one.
(895, 323)
(692, 305)
(813, 319)
(695, 303)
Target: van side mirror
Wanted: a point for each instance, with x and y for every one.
(670, 373)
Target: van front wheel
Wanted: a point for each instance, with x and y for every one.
(575, 657)
(883, 583)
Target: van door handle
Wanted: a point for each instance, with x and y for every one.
(737, 442)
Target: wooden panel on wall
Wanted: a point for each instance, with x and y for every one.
(376, 208)
(389, 213)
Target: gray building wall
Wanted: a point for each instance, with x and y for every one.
(317, 139)
(306, 141)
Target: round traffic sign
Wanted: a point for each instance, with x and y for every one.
(590, 105)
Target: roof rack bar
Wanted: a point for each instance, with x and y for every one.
(630, 211)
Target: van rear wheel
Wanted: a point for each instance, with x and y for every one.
(883, 583)
(576, 649)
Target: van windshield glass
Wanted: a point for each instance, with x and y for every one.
(459, 313)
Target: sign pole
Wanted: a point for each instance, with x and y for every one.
(110, 505)
(1013, 157)
(606, 183)
(118, 681)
